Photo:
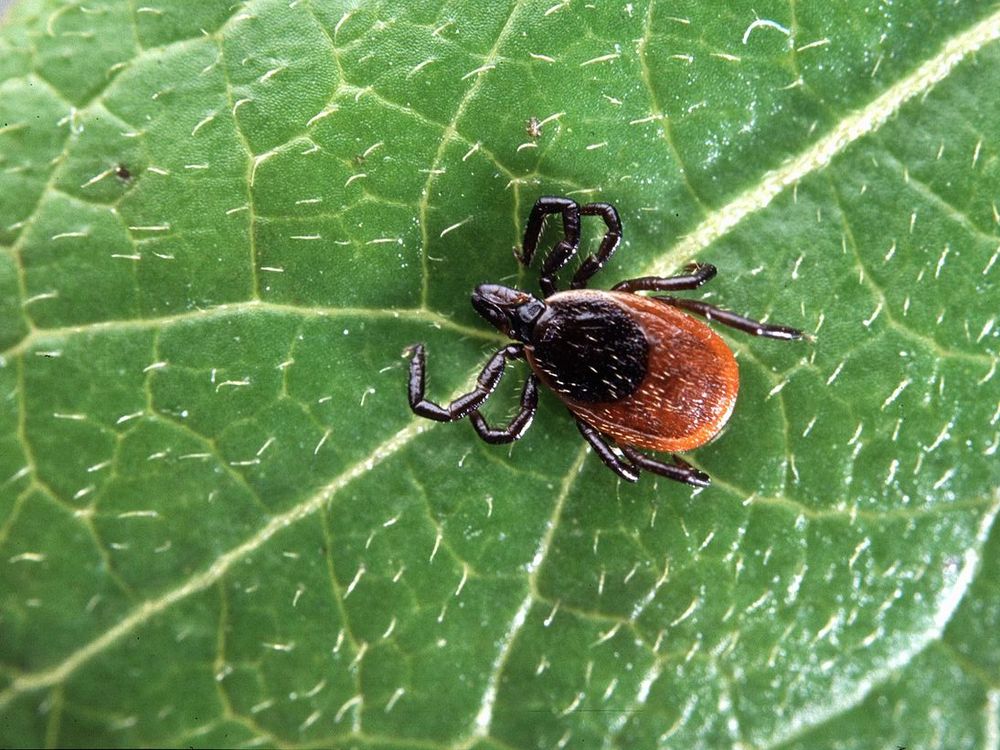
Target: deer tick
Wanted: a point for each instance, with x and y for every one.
(634, 371)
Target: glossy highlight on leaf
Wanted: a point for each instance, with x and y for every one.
(221, 525)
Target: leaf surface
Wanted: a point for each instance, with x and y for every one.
(220, 524)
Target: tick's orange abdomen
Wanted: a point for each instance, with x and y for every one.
(687, 392)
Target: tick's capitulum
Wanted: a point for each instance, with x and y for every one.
(634, 371)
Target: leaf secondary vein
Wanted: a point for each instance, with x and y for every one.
(38, 335)
(446, 137)
(484, 717)
(863, 122)
(214, 572)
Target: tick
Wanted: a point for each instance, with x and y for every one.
(636, 372)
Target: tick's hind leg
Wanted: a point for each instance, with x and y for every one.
(517, 426)
(731, 319)
(564, 250)
(612, 238)
(461, 406)
(697, 274)
(621, 467)
(679, 471)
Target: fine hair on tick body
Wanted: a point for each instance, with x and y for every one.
(635, 371)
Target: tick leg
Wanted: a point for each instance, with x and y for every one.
(612, 238)
(564, 250)
(731, 319)
(697, 274)
(461, 406)
(622, 468)
(679, 471)
(518, 425)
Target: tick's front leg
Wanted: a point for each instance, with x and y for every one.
(461, 406)
(517, 426)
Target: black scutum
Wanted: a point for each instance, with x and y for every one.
(591, 350)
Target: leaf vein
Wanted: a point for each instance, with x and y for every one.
(860, 123)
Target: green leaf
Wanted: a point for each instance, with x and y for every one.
(220, 524)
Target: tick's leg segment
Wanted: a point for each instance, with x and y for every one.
(462, 405)
(697, 274)
(753, 327)
(593, 263)
(518, 425)
(564, 249)
(621, 467)
(679, 471)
